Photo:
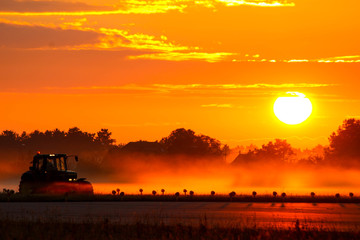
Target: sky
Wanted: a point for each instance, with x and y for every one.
(145, 68)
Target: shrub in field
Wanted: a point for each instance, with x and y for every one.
(212, 193)
(337, 195)
(118, 191)
(153, 192)
(177, 194)
(312, 194)
(185, 191)
(113, 192)
(191, 193)
(254, 193)
(232, 194)
(351, 195)
(141, 191)
(122, 194)
(274, 193)
(163, 191)
(283, 194)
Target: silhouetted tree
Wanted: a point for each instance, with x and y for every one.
(118, 191)
(185, 191)
(163, 191)
(337, 195)
(232, 194)
(153, 192)
(344, 143)
(122, 194)
(276, 152)
(274, 194)
(141, 191)
(312, 194)
(182, 141)
(191, 193)
(283, 195)
(351, 194)
(254, 193)
(177, 194)
(212, 193)
(104, 137)
(113, 192)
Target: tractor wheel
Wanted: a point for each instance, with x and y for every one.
(26, 188)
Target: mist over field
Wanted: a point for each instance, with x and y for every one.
(186, 160)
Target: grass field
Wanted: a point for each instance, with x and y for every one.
(89, 230)
(195, 198)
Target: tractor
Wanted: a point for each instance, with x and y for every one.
(49, 174)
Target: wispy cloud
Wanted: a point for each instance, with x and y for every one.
(186, 56)
(34, 37)
(215, 105)
(57, 8)
(188, 88)
(243, 86)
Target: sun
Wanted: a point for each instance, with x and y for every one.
(293, 109)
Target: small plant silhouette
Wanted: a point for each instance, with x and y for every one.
(283, 195)
(232, 194)
(212, 193)
(185, 191)
(163, 191)
(312, 194)
(177, 194)
(274, 193)
(351, 194)
(118, 191)
(191, 193)
(153, 192)
(141, 191)
(254, 193)
(337, 195)
(122, 194)
(113, 192)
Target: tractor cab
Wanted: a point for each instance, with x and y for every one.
(50, 162)
(49, 173)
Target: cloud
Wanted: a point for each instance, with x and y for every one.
(57, 8)
(26, 36)
(217, 105)
(48, 6)
(188, 88)
(186, 56)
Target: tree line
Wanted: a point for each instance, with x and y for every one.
(343, 148)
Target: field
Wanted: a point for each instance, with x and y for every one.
(178, 220)
(182, 198)
(105, 230)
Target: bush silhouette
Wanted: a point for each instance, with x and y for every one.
(153, 192)
(274, 193)
(212, 193)
(113, 192)
(312, 194)
(141, 191)
(254, 193)
(163, 191)
(191, 193)
(351, 195)
(185, 191)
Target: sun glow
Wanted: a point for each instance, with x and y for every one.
(293, 109)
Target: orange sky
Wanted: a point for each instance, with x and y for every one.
(145, 68)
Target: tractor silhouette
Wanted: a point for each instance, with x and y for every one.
(49, 174)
